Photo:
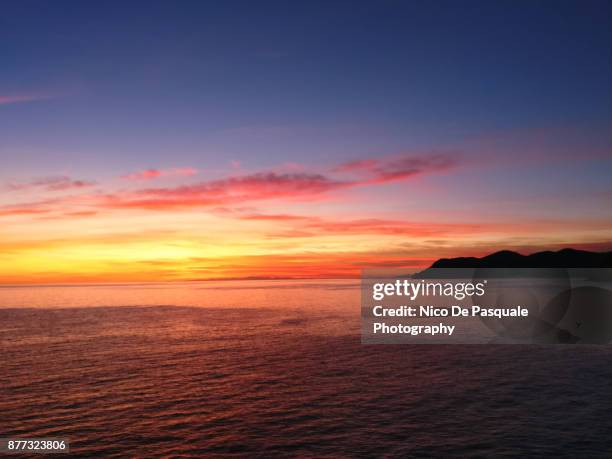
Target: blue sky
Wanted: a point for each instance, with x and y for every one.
(265, 82)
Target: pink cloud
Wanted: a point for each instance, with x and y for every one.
(308, 226)
(274, 217)
(5, 100)
(274, 185)
(301, 226)
(254, 187)
(395, 168)
(150, 174)
(28, 208)
(11, 211)
(284, 185)
(59, 183)
(244, 189)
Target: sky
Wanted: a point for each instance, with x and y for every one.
(150, 141)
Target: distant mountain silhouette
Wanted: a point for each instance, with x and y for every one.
(566, 258)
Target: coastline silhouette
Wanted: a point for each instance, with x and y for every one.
(565, 258)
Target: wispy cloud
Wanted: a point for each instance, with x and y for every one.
(280, 185)
(150, 174)
(58, 183)
(241, 190)
(289, 225)
(233, 190)
(318, 227)
(28, 208)
(395, 168)
(19, 98)
(310, 226)
(274, 217)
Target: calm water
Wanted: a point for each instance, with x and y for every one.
(276, 369)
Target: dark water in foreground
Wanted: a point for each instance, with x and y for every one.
(282, 373)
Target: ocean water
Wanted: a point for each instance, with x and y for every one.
(276, 369)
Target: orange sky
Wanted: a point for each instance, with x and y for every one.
(289, 221)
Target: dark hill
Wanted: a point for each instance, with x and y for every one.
(566, 258)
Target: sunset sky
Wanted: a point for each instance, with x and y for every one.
(145, 141)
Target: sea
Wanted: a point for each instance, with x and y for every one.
(277, 369)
